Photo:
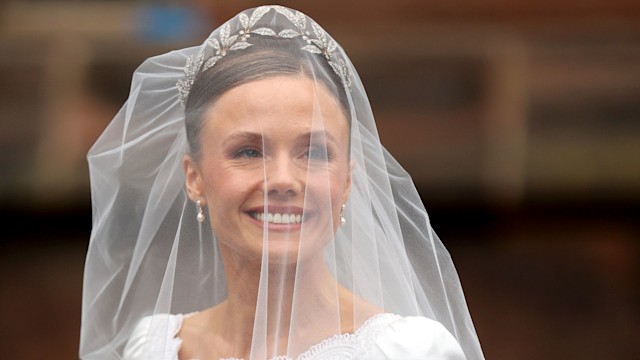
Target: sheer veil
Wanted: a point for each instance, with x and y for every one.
(357, 240)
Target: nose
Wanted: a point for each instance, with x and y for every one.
(284, 179)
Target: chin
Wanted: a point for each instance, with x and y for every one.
(284, 246)
(291, 253)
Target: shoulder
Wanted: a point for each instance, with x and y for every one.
(154, 337)
(415, 337)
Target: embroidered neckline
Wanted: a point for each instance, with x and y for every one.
(348, 345)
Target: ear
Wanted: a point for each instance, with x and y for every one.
(193, 179)
(347, 186)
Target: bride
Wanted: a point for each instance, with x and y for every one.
(244, 208)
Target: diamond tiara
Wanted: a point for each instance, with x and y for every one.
(316, 42)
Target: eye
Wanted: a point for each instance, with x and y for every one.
(317, 153)
(248, 152)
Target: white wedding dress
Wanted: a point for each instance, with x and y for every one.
(384, 336)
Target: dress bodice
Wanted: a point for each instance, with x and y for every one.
(383, 336)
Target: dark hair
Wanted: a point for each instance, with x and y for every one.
(267, 57)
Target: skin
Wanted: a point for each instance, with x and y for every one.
(262, 141)
(276, 145)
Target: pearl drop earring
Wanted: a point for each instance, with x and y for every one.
(200, 216)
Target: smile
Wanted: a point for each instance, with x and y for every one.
(277, 218)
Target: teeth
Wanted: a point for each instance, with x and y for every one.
(278, 218)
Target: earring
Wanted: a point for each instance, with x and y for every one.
(342, 219)
(200, 216)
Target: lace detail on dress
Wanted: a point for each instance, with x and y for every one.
(173, 341)
(345, 346)
(161, 344)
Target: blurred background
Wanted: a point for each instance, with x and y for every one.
(519, 121)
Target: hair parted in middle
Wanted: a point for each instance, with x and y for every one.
(267, 57)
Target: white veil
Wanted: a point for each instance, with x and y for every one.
(150, 256)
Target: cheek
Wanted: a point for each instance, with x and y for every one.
(228, 187)
(225, 188)
(327, 188)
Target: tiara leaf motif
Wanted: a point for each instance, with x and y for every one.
(318, 43)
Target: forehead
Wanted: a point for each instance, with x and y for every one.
(284, 102)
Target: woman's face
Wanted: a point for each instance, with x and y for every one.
(273, 166)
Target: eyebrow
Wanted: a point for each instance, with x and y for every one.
(253, 136)
(319, 133)
(243, 136)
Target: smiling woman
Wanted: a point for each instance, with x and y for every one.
(264, 152)
(245, 208)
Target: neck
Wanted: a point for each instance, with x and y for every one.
(270, 295)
